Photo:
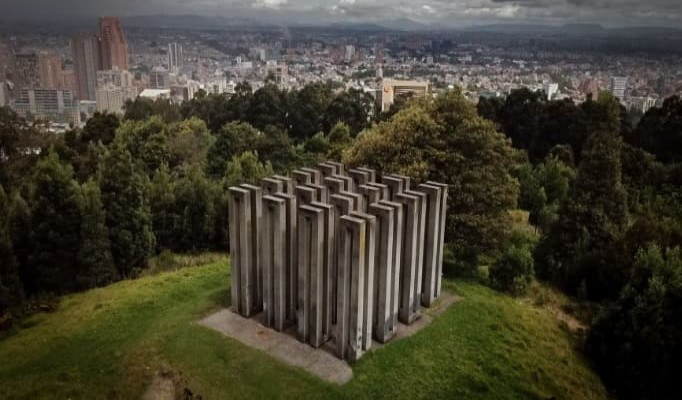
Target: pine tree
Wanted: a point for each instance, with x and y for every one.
(165, 219)
(11, 289)
(94, 257)
(576, 252)
(55, 223)
(127, 211)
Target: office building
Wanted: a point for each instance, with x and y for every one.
(86, 59)
(113, 45)
(391, 89)
(26, 70)
(279, 71)
(51, 73)
(115, 77)
(112, 98)
(51, 105)
(617, 86)
(159, 78)
(175, 61)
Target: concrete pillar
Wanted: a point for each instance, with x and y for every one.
(290, 257)
(350, 295)
(334, 185)
(287, 183)
(343, 205)
(256, 212)
(395, 185)
(397, 261)
(301, 178)
(370, 195)
(243, 273)
(274, 262)
(431, 239)
(441, 240)
(409, 268)
(347, 180)
(405, 179)
(383, 190)
(305, 194)
(327, 170)
(271, 186)
(383, 272)
(340, 169)
(359, 177)
(315, 175)
(357, 199)
(368, 289)
(421, 214)
(329, 267)
(372, 173)
(310, 274)
(322, 192)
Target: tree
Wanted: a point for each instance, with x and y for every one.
(233, 139)
(128, 215)
(245, 168)
(269, 106)
(189, 142)
(195, 201)
(101, 127)
(490, 108)
(561, 123)
(94, 256)
(520, 116)
(307, 109)
(147, 142)
(576, 251)
(660, 131)
(165, 219)
(353, 107)
(11, 288)
(445, 140)
(513, 272)
(55, 228)
(339, 140)
(635, 341)
(141, 109)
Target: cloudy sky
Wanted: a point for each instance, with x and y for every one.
(434, 12)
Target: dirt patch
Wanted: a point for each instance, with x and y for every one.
(161, 388)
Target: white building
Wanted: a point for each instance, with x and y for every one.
(48, 104)
(175, 58)
(617, 86)
(155, 94)
(390, 89)
(159, 78)
(112, 98)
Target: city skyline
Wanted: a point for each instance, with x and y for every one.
(435, 13)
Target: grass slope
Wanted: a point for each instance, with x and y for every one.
(110, 342)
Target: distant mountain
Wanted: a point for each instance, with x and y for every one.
(188, 21)
(578, 30)
(403, 24)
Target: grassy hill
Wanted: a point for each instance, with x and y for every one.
(112, 342)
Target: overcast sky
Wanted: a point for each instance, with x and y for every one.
(437, 12)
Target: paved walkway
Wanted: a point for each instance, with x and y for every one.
(285, 347)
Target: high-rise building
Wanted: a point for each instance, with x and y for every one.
(26, 71)
(113, 45)
(114, 87)
(390, 89)
(617, 86)
(51, 71)
(159, 78)
(350, 53)
(115, 77)
(175, 62)
(48, 104)
(86, 59)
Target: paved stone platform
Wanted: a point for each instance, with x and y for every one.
(321, 361)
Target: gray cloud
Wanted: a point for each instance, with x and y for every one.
(441, 12)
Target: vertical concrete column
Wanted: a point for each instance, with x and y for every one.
(310, 274)
(271, 186)
(383, 190)
(397, 261)
(351, 258)
(322, 192)
(395, 185)
(329, 267)
(256, 195)
(274, 262)
(421, 214)
(334, 185)
(359, 177)
(407, 314)
(441, 240)
(370, 195)
(383, 272)
(372, 173)
(305, 194)
(315, 175)
(368, 289)
(301, 178)
(291, 259)
(327, 170)
(343, 205)
(405, 179)
(431, 239)
(287, 183)
(243, 277)
(340, 169)
(347, 180)
(357, 199)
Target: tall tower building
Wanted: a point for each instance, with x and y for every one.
(113, 46)
(86, 58)
(51, 71)
(617, 86)
(174, 57)
(26, 71)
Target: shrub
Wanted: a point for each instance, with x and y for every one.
(513, 272)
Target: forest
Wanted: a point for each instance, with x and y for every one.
(602, 188)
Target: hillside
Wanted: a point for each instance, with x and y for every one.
(112, 342)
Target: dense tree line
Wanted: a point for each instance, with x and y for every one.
(89, 207)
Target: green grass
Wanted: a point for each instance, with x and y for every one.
(110, 342)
